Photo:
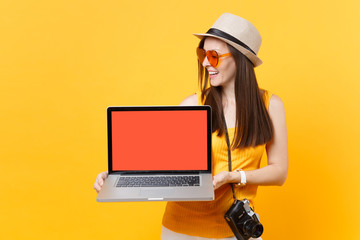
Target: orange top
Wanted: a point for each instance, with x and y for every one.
(206, 218)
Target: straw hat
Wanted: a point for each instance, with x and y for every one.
(237, 32)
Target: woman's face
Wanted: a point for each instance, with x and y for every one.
(224, 74)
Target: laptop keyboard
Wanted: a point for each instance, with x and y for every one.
(156, 181)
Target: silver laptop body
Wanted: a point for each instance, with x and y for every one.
(164, 144)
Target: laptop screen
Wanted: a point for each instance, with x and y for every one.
(159, 138)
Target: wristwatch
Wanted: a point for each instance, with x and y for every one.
(243, 178)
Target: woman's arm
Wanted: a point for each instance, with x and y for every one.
(275, 172)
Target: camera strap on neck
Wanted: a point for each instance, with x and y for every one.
(229, 152)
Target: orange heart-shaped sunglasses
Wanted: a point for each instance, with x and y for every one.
(212, 56)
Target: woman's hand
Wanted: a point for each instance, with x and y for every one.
(100, 181)
(221, 179)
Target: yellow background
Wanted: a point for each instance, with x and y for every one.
(63, 62)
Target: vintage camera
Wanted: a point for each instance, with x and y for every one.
(243, 221)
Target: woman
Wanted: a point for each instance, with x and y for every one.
(254, 119)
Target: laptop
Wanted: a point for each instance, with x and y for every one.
(158, 153)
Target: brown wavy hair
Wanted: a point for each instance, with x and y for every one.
(253, 125)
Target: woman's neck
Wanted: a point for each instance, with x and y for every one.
(228, 95)
(229, 106)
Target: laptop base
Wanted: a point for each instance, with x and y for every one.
(111, 193)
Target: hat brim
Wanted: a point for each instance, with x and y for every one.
(252, 57)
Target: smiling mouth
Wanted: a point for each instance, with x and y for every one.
(212, 74)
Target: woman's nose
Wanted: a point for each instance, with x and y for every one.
(205, 63)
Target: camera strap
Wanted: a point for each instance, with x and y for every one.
(229, 152)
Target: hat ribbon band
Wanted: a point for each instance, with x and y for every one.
(222, 34)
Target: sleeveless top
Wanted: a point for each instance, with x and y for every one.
(206, 218)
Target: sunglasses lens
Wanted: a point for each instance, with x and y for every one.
(213, 58)
(201, 54)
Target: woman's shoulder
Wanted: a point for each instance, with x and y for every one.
(270, 99)
(190, 100)
(276, 104)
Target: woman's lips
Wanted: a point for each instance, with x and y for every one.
(213, 74)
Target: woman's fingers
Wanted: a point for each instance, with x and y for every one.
(100, 181)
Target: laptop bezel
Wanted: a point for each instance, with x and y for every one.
(159, 108)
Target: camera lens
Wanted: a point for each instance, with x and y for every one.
(253, 228)
(257, 230)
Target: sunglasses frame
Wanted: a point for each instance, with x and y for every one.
(210, 54)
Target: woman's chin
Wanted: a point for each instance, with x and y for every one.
(214, 82)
